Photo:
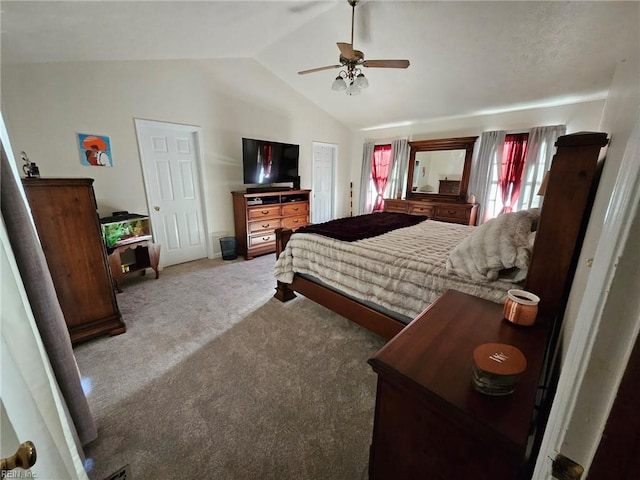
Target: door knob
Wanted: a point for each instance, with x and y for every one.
(24, 458)
(157, 209)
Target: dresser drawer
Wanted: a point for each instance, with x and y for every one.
(399, 206)
(295, 222)
(295, 209)
(263, 239)
(453, 213)
(264, 225)
(256, 213)
(428, 210)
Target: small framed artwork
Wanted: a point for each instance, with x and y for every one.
(95, 150)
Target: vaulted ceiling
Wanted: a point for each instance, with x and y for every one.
(466, 58)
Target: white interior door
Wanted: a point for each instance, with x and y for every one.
(170, 157)
(31, 407)
(324, 156)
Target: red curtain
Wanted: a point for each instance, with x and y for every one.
(380, 173)
(511, 169)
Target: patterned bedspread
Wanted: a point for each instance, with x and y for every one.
(403, 270)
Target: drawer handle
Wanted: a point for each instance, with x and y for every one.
(296, 221)
(266, 226)
(264, 212)
(265, 238)
(451, 212)
(296, 209)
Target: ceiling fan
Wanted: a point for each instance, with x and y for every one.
(351, 79)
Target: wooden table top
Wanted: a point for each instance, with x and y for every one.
(435, 353)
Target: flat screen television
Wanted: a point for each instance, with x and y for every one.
(267, 162)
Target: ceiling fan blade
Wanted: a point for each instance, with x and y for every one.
(386, 63)
(319, 69)
(346, 49)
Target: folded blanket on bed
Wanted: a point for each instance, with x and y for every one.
(496, 249)
(350, 229)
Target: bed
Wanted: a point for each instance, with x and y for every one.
(395, 275)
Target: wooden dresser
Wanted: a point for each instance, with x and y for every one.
(429, 420)
(64, 211)
(257, 215)
(465, 213)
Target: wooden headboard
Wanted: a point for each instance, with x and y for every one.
(565, 212)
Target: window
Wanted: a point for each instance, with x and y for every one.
(380, 170)
(506, 173)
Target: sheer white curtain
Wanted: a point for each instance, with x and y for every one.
(488, 150)
(365, 205)
(398, 176)
(485, 173)
(540, 150)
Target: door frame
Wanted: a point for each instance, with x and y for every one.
(334, 161)
(617, 455)
(31, 407)
(197, 131)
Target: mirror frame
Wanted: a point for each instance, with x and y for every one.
(458, 143)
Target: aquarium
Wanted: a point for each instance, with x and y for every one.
(125, 228)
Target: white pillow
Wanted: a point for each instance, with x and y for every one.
(500, 244)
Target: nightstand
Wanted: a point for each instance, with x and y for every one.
(429, 421)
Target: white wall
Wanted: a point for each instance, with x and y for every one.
(577, 117)
(620, 321)
(619, 117)
(46, 105)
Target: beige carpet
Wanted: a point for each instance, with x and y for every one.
(215, 379)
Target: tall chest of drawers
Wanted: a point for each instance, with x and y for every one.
(257, 215)
(65, 216)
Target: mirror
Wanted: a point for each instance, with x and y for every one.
(440, 169)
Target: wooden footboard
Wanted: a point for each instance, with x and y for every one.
(367, 317)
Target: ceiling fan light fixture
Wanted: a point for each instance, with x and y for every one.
(353, 89)
(339, 85)
(351, 80)
(361, 81)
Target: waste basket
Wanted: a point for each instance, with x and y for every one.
(229, 248)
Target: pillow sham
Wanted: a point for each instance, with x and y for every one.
(501, 244)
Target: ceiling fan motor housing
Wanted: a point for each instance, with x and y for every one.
(358, 58)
